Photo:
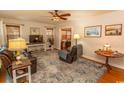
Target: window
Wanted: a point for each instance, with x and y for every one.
(12, 31)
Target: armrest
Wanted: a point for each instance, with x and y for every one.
(9, 70)
(9, 66)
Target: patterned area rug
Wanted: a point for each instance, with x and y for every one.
(52, 70)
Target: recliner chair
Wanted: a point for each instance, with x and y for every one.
(71, 56)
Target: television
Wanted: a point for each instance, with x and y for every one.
(36, 39)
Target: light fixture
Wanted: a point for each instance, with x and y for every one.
(17, 45)
(55, 18)
(76, 37)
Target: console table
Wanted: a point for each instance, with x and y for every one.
(108, 55)
(37, 46)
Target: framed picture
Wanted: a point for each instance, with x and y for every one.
(93, 31)
(113, 30)
(34, 31)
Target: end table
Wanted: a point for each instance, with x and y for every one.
(25, 64)
(108, 55)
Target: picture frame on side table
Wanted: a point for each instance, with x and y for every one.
(113, 30)
(93, 31)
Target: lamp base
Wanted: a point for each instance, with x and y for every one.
(18, 62)
(18, 53)
(75, 41)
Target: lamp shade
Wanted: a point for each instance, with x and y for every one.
(17, 44)
(76, 36)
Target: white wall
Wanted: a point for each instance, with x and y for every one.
(92, 44)
(25, 26)
(1, 33)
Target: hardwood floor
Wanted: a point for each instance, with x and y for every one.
(115, 75)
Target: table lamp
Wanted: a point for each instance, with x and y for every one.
(76, 37)
(17, 45)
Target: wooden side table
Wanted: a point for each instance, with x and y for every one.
(108, 55)
(25, 64)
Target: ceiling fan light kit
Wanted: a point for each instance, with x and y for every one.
(57, 16)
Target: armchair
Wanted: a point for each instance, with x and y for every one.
(71, 56)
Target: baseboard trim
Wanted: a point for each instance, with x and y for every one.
(92, 60)
(100, 62)
(56, 49)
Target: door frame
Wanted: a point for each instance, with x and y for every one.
(61, 34)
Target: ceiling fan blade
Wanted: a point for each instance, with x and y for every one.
(57, 16)
(63, 18)
(52, 13)
(56, 13)
(66, 14)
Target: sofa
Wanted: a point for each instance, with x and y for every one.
(7, 58)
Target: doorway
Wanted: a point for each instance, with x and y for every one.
(66, 34)
(49, 38)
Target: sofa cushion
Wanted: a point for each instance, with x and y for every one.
(63, 54)
(9, 54)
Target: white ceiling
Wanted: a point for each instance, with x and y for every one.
(44, 16)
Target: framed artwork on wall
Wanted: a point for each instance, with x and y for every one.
(34, 31)
(93, 31)
(113, 30)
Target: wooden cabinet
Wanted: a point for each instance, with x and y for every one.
(36, 47)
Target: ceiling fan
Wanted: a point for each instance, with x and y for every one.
(57, 16)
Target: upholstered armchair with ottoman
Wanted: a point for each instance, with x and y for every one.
(72, 55)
